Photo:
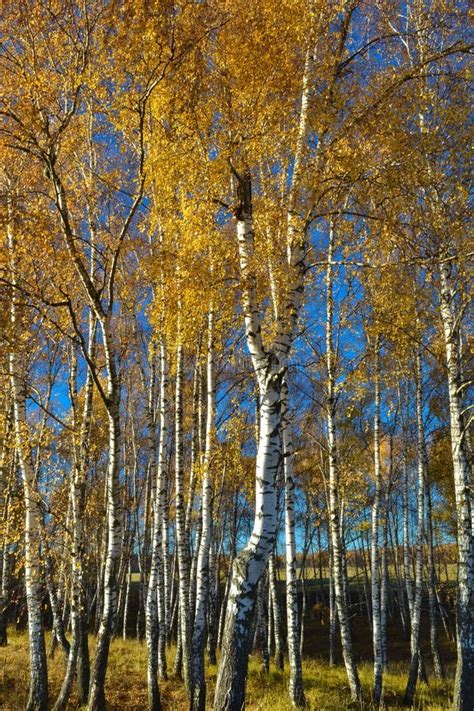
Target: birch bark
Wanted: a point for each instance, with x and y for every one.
(182, 542)
(38, 694)
(250, 564)
(272, 585)
(340, 588)
(296, 674)
(152, 630)
(415, 664)
(198, 683)
(377, 633)
(4, 507)
(464, 683)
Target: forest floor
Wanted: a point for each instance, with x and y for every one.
(325, 687)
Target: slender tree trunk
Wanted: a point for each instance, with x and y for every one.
(303, 614)
(58, 625)
(79, 492)
(377, 632)
(332, 613)
(4, 511)
(152, 629)
(126, 603)
(435, 653)
(196, 443)
(38, 695)
(97, 691)
(181, 539)
(198, 691)
(272, 582)
(296, 673)
(406, 539)
(213, 605)
(162, 487)
(416, 661)
(464, 684)
(340, 588)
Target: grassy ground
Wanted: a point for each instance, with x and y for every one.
(325, 687)
(447, 573)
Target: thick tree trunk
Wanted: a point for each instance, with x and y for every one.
(251, 562)
(464, 684)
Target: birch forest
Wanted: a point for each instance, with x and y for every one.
(236, 366)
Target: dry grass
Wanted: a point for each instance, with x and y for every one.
(325, 687)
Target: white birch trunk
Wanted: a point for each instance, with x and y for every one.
(251, 562)
(377, 633)
(415, 622)
(296, 674)
(79, 643)
(4, 510)
(340, 591)
(435, 652)
(152, 630)
(97, 691)
(162, 485)
(272, 585)
(198, 685)
(181, 539)
(464, 684)
(38, 694)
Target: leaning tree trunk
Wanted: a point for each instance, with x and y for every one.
(296, 673)
(38, 695)
(269, 366)
(250, 564)
(464, 684)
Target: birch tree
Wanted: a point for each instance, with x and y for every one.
(38, 695)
